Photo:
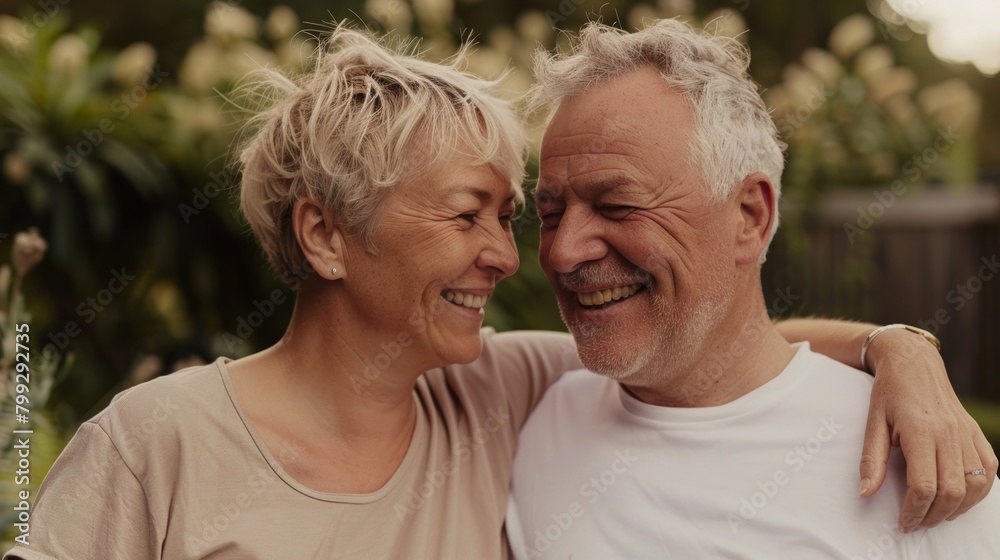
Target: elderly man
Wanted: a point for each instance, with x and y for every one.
(706, 434)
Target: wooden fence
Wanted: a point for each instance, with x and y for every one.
(930, 259)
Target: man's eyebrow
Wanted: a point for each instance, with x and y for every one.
(593, 189)
(590, 189)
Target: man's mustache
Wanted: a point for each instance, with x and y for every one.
(603, 275)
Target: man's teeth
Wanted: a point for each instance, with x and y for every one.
(468, 300)
(611, 294)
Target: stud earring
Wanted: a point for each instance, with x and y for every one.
(333, 271)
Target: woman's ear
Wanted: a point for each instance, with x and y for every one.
(320, 237)
(756, 199)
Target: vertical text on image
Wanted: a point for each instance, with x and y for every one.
(22, 437)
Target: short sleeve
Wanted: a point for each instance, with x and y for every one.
(529, 362)
(90, 506)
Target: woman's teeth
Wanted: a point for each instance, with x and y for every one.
(468, 300)
(604, 296)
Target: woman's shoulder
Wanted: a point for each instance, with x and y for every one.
(511, 373)
(512, 357)
(525, 347)
(165, 407)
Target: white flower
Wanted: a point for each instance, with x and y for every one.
(890, 82)
(281, 23)
(534, 26)
(434, 13)
(245, 57)
(295, 52)
(227, 22)
(68, 56)
(133, 64)
(778, 99)
(640, 15)
(487, 62)
(823, 64)
(391, 14)
(12, 36)
(200, 69)
(801, 85)
(851, 35)
(29, 250)
(672, 8)
(873, 60)
(439, 46)
(952, 102)
(517, 81)
(502, 39)
(726, 22)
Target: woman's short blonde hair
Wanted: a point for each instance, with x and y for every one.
(368, 117)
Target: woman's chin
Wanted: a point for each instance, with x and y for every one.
(463, 349)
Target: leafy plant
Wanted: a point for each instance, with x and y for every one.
(31, 388)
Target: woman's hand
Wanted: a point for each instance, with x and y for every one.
(914, 406)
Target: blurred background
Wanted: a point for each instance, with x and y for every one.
(114, 138)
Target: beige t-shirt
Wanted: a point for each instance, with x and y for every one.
(172, 469)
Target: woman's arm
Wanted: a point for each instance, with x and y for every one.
(913, 406)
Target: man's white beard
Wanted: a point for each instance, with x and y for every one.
(658, 356)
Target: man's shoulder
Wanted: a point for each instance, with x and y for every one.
(821, 373)
(577, 393)
(971, 536)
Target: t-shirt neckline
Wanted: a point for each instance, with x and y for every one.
(419, 436)
(758, 399)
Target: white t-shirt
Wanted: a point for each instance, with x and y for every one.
(774, 474)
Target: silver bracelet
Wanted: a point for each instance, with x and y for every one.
(927, 336)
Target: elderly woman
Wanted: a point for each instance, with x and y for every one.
(383, 424)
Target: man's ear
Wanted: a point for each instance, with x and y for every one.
(320, 238)
(758, 213)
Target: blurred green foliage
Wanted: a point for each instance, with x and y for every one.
(987, 414)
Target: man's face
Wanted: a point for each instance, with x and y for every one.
(639, 253)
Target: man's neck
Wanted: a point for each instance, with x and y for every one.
(740, 355)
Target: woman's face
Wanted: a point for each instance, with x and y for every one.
(443, 242)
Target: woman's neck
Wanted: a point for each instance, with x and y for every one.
(320, 385)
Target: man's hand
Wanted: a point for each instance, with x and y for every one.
(914, 406)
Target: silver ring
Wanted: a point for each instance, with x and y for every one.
(976, 472)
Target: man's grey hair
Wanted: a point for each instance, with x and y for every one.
(734, 135)
(367, 118)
